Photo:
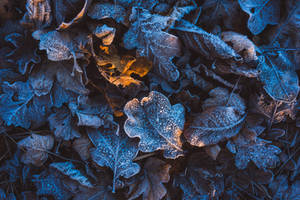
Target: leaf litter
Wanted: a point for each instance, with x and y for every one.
(164, 99)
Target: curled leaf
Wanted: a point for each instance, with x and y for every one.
(157, 123)
(107, 10)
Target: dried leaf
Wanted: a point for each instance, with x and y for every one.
(39, 13)
(160, 47)
(149, 184)
(261, 13)
(36, 148)
(48, 184)
(25, 52)
(107, 10)
(68, 169)
(106, 33)
(62, 124)
(280, 81)
(79, 16)
(114, 151)
(20, 107)
(248, 147)
(82, 146)
(241, 44)
(214, 125)
(158, 124)
(213, 151)
(204, 43)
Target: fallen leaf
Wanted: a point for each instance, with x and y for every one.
(149, 183)
(36, 147)
(156, 123)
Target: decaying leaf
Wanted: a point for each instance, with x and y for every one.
(105, 33)
(204, 43)
(149, 183)
(248, 147)
(107, 10)
(63, 125)
(222, 118)
(68, 169)
(214, 125)
(82, 146)
(156, 123)
(280, 81)
(116, 151)
(90, 112)
(241, 44)
(36, 147)
(159, 46)
(23, 43)
(39, 13)
(201, 180)
(261, 13)
(20, 107)
(79, 16)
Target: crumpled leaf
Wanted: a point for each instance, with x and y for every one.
(248, 147)
(62, 124)
(68, 169)
(159, 46)
(20, 107)
(25, 52)
(279, 79)
(107, 10)
(149, 184)
(241, 44)
(204, 43)
(261, 13)
(201, 180)
(39, 13)
(156, 123)
(49, 184)
(36, 147)
(90, 112)
(79, 16)
(116, 151)
(105, 33)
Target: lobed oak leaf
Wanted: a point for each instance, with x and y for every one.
(156, 123)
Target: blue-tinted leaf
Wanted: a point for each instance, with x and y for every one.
(114, 151)
(51, 185)
(59, 95)
(20, 107)
(90, 112)
(279, 79)
(36, 147)
(24, 54)
(261, 13)
(68, 169)
(156, 123)
(107, 10)
(63, 125)
(214, 125)
(207, 44)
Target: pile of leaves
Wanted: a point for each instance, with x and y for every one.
(149, 99)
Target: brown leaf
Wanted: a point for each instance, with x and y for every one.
(149, 183)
